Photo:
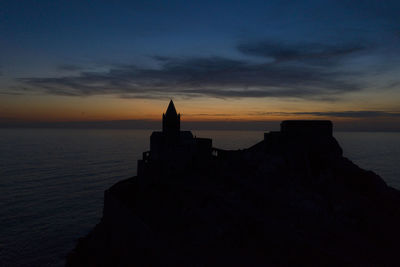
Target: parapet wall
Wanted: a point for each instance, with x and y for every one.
(309, 127)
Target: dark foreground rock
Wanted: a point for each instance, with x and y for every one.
(288, 200)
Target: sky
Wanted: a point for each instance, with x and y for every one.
(220, 61)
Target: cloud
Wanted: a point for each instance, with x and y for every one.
(69, 67)
(313, 54)
(353, 114)
(10, 93)
(340, 114)
(209, 115)
(216, 76)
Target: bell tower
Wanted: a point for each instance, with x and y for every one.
(171, 120)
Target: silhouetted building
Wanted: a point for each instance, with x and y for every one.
(173, 150)
(308, 127)
(171, 120)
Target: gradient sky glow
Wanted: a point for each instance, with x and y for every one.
(218, 60)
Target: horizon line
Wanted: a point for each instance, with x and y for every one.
(150, 124)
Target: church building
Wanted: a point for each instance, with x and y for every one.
(173, 150)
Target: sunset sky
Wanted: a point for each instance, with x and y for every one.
(218, 60)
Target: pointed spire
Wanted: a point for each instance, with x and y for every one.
(171, 120)
(171, 109)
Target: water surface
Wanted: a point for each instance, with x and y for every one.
(52, 180)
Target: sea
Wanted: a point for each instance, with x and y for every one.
(52, 181)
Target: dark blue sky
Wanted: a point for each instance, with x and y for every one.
(310, 50)
(100, 32)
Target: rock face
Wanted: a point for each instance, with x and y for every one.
(291, 199)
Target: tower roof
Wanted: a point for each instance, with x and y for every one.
(171, 109)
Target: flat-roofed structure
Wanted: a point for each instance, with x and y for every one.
(308, 127)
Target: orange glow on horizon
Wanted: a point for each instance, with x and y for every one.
(46, 108)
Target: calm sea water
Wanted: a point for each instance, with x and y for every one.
(52, 181)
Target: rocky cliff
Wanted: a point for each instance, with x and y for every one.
(292, 199)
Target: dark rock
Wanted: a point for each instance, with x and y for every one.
(291, 199)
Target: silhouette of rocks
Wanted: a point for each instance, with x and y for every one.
(291, 199)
